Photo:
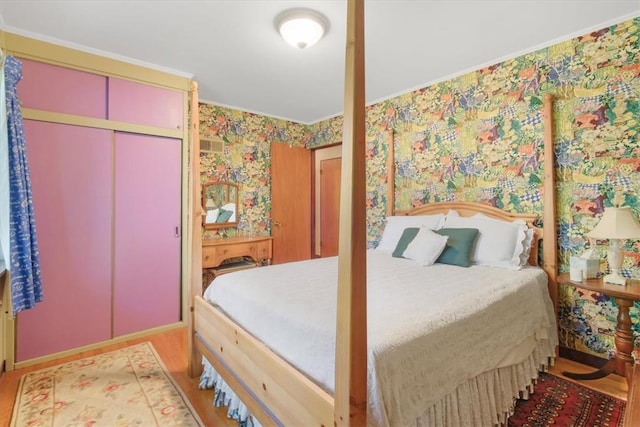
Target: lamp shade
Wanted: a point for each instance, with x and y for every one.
(301, 27)
(616, 223)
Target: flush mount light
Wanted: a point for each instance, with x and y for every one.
(301, 27)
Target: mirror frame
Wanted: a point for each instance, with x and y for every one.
(230, 187)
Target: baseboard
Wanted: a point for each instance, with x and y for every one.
(581, 357)
(116, 340)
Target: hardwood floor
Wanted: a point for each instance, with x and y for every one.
(172, 348)
(613, 385)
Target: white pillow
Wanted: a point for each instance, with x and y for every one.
(499, 243)
(396, 225)
(426, 247)
(524, 240)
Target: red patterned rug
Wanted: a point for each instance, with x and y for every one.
(561, 403)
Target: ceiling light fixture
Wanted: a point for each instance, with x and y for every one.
(301, 27)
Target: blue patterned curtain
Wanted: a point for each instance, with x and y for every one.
(24, 263)
(4, 173)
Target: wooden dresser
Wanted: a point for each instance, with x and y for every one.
(253, 251)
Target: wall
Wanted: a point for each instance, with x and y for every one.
(479, 137)
(246, 161)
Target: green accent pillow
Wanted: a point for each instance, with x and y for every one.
(459, 246)
(407, 237)
(224, 215)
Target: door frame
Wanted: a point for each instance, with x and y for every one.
(325, 152)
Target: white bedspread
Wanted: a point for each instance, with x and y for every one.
(430, 329)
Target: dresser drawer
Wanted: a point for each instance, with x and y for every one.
(212, 256)
(208, 256)
(264, 250)
(214, 252)
(237, 250)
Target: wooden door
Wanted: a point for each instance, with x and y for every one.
(146, 290)
(329, 206)
(70, 170)
(290, 203)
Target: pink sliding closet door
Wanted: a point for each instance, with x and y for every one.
(147, 241)
(71, 181)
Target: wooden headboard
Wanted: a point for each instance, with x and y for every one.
(472, 208)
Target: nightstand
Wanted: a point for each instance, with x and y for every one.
(624, 297)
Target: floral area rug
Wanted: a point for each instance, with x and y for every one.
(561, 403)
(126, 387)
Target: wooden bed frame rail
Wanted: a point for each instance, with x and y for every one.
(274, 391)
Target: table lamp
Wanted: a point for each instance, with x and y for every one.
(617, 223)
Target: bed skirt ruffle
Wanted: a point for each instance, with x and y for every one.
(486, 400)
(224, 396)
(489, 398)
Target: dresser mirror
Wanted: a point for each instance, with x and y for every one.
(219, 204)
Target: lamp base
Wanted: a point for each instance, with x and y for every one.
(615, 279)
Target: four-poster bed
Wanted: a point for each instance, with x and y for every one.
(276, 392)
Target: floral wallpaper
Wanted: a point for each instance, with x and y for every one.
(479, 137)
(246, 161)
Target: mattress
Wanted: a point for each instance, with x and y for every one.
(430, 329)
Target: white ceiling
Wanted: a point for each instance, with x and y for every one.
(232, 49)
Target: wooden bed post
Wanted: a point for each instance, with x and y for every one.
(195, 234)
(351, 325)
(550, 243)
(391, 176)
